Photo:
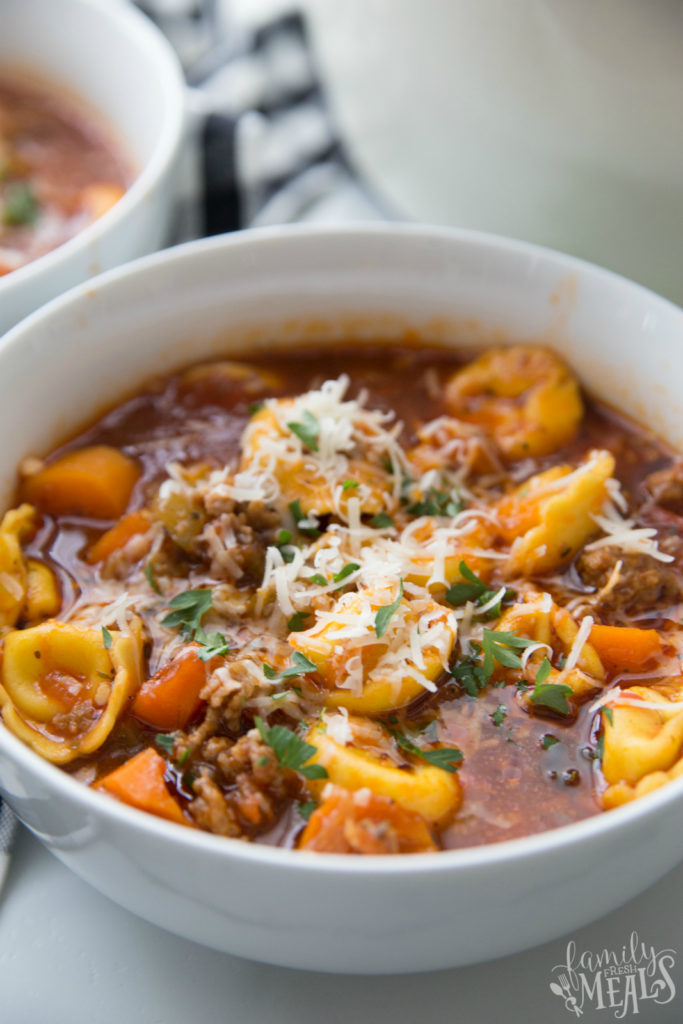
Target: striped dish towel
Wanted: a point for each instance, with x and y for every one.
(7, 829)
(265, 148)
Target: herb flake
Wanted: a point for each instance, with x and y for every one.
(307, 430)
(300, 665)
(349, 568)
(165, 741)
(290, 750)
(296, 623)
(476, 590)
(187, 612)
(446, 758)
(552, 696)
(499, 715)
(384, 614)
(151, 578)
(436, 503)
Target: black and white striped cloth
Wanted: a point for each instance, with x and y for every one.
(7, 830)
(264, 145)
(266, 149)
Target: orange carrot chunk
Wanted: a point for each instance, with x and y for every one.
(171, 697)
(140, 783)
(94, 481)
(625, 648)
(132, 524)
(365, 823)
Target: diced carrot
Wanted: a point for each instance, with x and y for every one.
(625, 648)
(140, 783)
(365, 823)
(131, 524)
(94, 481)
(171, 697)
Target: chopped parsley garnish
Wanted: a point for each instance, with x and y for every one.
(214, 645)
(552, 696)
(296, 623)
(299, 518)
(106, 638)
(20, 206)
(165, 741)
(285, 693)
(290, 750)
(306, 809)
(381, 521)
(436, 503)
(544, 670)
(318, 579)
(609, 714)
(384, 614)
(447, 758)
(470, 674)
(184, 756)
(151, 578)
(188, 609)
(548, 741)
(284, 537)
(349, 568)
(187, 612)
(255, 407)
(498, 716)
(348, 485)
(307, 430)
(600, 748)
(300, 665)
(500, 647)
(475, 590)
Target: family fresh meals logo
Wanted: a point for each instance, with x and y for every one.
(618, 981)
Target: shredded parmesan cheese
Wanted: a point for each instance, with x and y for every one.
(624, 534)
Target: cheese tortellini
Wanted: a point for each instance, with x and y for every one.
(425, 789)
(369, 671)
(524, 396)
(64, 686)
(641, 742)
(549, 517)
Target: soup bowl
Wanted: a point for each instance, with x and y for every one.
(265, 292)
(81, 47)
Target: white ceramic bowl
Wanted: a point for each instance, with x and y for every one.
(253, 291)
(112, 59)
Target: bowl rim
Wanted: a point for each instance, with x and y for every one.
(163, 62)
(635, 814)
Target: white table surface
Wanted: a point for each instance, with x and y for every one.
(68, 955)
